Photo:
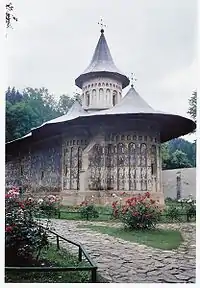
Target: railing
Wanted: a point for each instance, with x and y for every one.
(81, 252)
(163, 218)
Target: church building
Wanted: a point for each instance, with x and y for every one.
(106, 145)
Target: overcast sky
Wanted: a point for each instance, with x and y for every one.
(53, 42)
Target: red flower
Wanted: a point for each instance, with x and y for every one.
(114, 204)
(152, 201)
(8, 196)
(147, 195)
(9, 229)
(22, 205)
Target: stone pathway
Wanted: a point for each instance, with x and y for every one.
(120, 261)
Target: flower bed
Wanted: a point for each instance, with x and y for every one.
(139, 212)
(23, 237)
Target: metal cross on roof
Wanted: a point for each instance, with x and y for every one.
(102, 25)
(133, 79)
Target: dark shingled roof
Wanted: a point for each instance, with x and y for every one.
(102, 64)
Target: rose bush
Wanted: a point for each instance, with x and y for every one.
(49, 205)
(88, 210)
(24, 239)
(139, 212)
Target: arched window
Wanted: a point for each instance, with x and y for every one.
(143, 154)
(114, 98)
(93, 93)
(87, 99)
(100, 92)
(107, 94)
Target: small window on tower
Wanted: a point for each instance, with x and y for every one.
(114, 98)
(87, 99)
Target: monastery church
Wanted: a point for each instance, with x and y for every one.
(106, 145)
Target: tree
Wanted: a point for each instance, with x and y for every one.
(65, 102)
(31, 108)
(192, 111)
(9, 15)
(178, 153)
(180, 160)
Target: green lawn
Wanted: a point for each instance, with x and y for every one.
(61, 258)
(76, 216)
(162, 239)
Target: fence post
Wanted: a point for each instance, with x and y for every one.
(94, 275)
(57, 240)
(79, 254)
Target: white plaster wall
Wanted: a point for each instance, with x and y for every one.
(100, 92)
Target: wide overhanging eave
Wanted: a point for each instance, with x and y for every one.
(88, 76)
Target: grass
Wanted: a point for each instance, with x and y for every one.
(162, 239)
(76, 216)
(54, 258)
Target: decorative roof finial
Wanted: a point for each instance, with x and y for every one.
(133, 79)
(102, 25)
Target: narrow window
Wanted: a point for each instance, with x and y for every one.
(66, 170)
(114, 98)
(21, 170)
(87, 99)
(42, 175)
(153, 170)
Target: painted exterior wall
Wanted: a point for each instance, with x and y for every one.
(39, 169)
(81, 163)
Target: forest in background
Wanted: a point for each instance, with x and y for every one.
(32, 107)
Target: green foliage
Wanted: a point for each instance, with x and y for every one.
(192, 111)
(88, 211)
(31, 108)
(52, 257)
(173, 213)
(23, 237)
(177, 208)
(178, 153)
(140, 212)
(49, 206)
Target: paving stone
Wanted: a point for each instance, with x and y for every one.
(121, 261)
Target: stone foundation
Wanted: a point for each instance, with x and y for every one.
(104, 197)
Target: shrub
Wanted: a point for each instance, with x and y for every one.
(140, 212)
(189, 207)
(23, 238)
(88, 210)
(49, 206)
(173, 212)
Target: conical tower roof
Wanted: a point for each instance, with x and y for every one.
(102, 64)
